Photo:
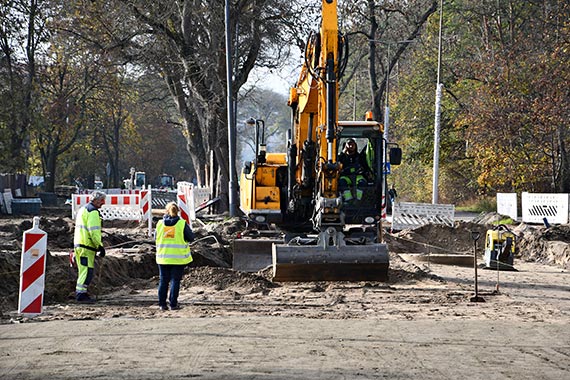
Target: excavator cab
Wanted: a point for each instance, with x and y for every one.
(362, 200)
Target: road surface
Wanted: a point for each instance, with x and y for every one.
(284, 348)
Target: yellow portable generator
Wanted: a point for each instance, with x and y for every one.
(499, 248)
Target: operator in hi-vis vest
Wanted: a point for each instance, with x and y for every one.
(172, 254)
(87, 242)
(355, 171)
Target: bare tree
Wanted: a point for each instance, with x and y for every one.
(382, 32)
(22, 31)
(185, 41)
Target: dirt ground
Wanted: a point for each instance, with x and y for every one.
(534, 297)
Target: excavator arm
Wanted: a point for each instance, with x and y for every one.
(315, 118)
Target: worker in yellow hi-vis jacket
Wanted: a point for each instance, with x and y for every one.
(172, 254)
(86, 243)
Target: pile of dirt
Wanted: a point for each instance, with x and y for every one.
(534, 243)
(544, 245)
(438, 238)
(226, 278)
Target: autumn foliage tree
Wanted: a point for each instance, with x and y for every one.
(505, 105)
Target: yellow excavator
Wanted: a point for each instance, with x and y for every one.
(329, 229)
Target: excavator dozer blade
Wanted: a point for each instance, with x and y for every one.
(252, 255)
(301, 263)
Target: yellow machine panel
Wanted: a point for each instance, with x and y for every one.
(265, 176)
(267, 198)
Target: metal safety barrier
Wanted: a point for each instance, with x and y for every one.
(414, 215)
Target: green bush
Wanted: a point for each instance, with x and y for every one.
(486, 204)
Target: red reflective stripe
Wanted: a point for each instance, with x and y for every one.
(35, 306)
(35, 271)
(31, 239)
(183, 214)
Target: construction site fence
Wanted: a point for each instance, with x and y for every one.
(542, 208)
(160, 197)
(409, 215)
(535, 207)
(190, 197)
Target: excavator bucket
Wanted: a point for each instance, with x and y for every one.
(253, 254)
(252, 249)
(367, 262)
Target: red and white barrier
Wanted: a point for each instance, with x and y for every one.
(117, 206)
(189, 198)
(32, 270)
(183, 199)
(146, 207)
(134, 206)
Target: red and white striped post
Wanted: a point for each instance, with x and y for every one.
(183, 197)
(32, 270)
(146, 207)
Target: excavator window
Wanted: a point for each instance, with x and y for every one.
(365, 151)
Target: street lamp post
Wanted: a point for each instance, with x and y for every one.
(232, 188)
(437, 121)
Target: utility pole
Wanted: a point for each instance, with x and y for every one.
(437, 127)
(232, 191)
(387, 104)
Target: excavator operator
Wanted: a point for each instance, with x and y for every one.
(355, 171)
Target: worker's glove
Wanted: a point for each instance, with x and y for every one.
(101, 251)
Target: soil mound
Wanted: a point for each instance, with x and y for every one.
(437, 238)
(545, 245)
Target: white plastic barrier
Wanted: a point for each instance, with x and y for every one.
(189, 198)
(32, 270)
(119, 206)
(413, 215)
(537, 206)
(507, 205)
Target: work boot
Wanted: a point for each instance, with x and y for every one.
(163, 307)
(84, 298)
(175, 307)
